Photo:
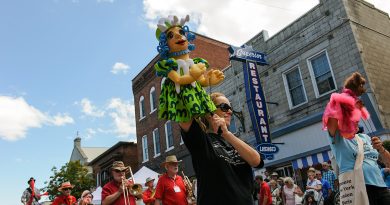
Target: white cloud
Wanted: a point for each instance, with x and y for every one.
(231, 21)
(235, 21)
(17, 116)
(62, 119)
(120, 67)
(90, 109)
(122, 112)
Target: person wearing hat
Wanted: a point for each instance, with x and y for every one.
(170, 186)
(222, 161)
(328, 174)
(148, 195)
(65, 198)
(31, 195)
(86, 198)
(112, 192)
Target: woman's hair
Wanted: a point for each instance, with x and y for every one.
(355, 83)
(202, 121)
(288, 180)
(272, 182)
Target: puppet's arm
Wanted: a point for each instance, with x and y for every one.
(212, 77)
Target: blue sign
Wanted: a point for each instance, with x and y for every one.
(255, 97)
(268, 150)
(247, 53)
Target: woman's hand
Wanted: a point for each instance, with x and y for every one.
(218, 122)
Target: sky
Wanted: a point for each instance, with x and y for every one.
(66, 67)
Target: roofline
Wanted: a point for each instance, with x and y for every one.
(158, 55)
(110, 149)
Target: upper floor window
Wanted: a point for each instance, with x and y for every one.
(141, 107)
(145, 153)
(321, 74)
(169, 135)
(295, 89)
(156, 142)
(152, 97)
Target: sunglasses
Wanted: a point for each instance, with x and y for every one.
(66, 189)
(224, 107)
(118, 171)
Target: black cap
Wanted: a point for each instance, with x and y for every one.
(31, 178)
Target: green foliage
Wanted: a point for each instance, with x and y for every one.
(75, 173)
(386, 145)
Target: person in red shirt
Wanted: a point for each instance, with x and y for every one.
(113, 193)
(170, 188)
(65, 198)
(265, 197)
(148, 195)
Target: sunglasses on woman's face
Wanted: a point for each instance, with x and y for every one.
(224, 107)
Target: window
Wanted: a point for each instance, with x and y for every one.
(321, 74)
(232, 127)
(169, 135)
(156, 142)
(145, 153)
(141, 108)
(152, 97)
(295, 90)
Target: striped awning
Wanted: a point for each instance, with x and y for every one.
(311, 160)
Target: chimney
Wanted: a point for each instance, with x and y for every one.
(77, 142)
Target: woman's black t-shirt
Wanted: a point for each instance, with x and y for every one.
(223, 177)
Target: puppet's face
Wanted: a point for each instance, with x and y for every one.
(177, 41)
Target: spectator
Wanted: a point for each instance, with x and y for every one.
(326, 190)
(265, 197)
(275, 193)
(328, 174)
(291, 192)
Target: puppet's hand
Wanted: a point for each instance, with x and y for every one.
(215, 77)
(197, 70)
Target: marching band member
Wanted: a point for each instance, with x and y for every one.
(113, 192)
(65, 198)
(170, 188)
(222, 162)
(31, 194)
(148, 195)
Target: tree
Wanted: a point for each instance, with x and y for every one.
(75, 173)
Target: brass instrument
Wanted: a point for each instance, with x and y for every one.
(191, 199)
(151, 196)
(135, 189)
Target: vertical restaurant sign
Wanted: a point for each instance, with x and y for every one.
(255, 97)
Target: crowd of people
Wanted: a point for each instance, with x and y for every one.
(223, 163)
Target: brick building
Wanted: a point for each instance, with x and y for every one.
(121, 151)
(308, 60)
(158, 138)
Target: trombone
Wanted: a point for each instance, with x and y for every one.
(134, 190)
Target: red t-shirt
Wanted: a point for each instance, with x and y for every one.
(168, 194)
(146, 196)
(265, 191)
(67, 200)
(112, 187)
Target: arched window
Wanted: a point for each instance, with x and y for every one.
(141, 107)
(152, 97)
(162, 81)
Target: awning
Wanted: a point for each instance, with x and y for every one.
(311, 160)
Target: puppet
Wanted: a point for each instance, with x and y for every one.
(346, 107)
(182, 95)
